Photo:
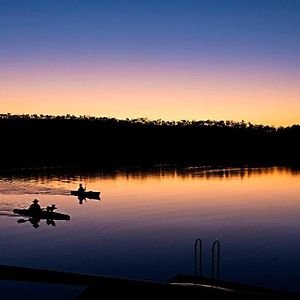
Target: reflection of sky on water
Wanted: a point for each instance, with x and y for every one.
(145, 224)
(22, 187)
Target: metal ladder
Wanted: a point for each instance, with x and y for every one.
(215, 259)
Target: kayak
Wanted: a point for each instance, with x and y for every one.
(87, 194)
(43, 215)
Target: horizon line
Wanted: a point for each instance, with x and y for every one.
(142, 119)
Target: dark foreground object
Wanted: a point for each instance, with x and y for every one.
(90, 194)
(42, 215)
(186, 287)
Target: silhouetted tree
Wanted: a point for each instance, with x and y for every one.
(45, 140)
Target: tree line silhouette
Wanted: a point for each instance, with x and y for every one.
(85, 141)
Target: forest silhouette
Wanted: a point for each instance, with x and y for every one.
(85, 141)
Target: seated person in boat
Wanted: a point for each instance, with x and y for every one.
(35, 208)
(51, 208)
(81, 189)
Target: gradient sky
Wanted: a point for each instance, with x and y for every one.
(168, 59)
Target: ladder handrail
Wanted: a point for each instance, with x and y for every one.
(215, 260)
(198, 260)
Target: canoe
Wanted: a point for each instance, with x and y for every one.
(86, 194)
(43, 215)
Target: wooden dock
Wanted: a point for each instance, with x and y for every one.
(186, 287)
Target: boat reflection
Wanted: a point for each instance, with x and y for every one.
(80, 199)
(87, 194)
(84, 195)
(43, 214)
(34, 221)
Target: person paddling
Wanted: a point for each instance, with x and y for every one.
(35, 208)
(81, 188)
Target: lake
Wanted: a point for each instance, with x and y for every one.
(146, 222)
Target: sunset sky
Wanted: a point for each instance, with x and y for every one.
(168, 59)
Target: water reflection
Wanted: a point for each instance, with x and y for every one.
(80, 198)
(83, 197)
(36, 220)
(83, 194)
(67, 176)
(33, 220)
(144, 227)
(35, 214)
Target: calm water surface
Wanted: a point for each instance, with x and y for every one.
(146, 222)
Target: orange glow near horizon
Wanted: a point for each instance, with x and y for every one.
(256, 192)
(154, 93)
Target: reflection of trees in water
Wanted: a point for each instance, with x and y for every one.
(74, 176)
